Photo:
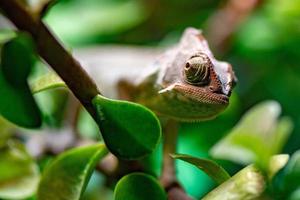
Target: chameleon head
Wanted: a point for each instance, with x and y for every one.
(194, 85)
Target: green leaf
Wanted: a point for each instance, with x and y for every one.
(6, 129)
(67, 176)
(19, 175)
(130, 130)
(16, 102)
(18, 105)
(17, 59)
(47, 81)
(211, 168)
(139, 186)
(6, 35)
(288, 179)
(276, 163)
(249, 183)
(256, 137)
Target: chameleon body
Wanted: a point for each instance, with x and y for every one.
(186, 83)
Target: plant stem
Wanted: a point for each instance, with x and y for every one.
(168, 177)
(82, 86)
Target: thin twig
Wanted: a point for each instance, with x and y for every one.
(82, 86)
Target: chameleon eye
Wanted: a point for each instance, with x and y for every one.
(197, 70)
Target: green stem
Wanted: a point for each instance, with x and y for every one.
(82, 86)
(168, 176)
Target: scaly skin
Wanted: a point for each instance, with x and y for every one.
(167, 91)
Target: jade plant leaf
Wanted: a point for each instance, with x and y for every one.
(248, 183)
(47, 81)
(211, 168)
(19, 174)
(287, 181)
(256, 137)
(129, 130)
(17, 59)
(139, 186)
(17, 103)
(67, 176)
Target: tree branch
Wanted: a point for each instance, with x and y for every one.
(82, 86)
(226, 20)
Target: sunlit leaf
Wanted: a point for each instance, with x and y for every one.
(139, 186)
(19, 175)
(211, 168)
(129, 130)
(67, 176)
(47, 81)
(249, 183)
(276, 163)
(257, 136)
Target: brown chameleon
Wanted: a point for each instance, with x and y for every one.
(186, 83)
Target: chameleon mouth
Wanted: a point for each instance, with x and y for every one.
(201, 95)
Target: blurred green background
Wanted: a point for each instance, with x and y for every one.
(264, 50)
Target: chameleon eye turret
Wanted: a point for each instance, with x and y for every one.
(197, 70)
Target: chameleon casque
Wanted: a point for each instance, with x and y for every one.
(186, 83)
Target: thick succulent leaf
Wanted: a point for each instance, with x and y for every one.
(19, 174)
(16, 101)
(287, 180)
(47, 81)
(257, 136)
(17, 59)
(129, 130)
(18, 106)
(211, 168)
(139, 186)
(67, 176)
(249, 183)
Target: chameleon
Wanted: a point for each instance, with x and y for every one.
(185, 83)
